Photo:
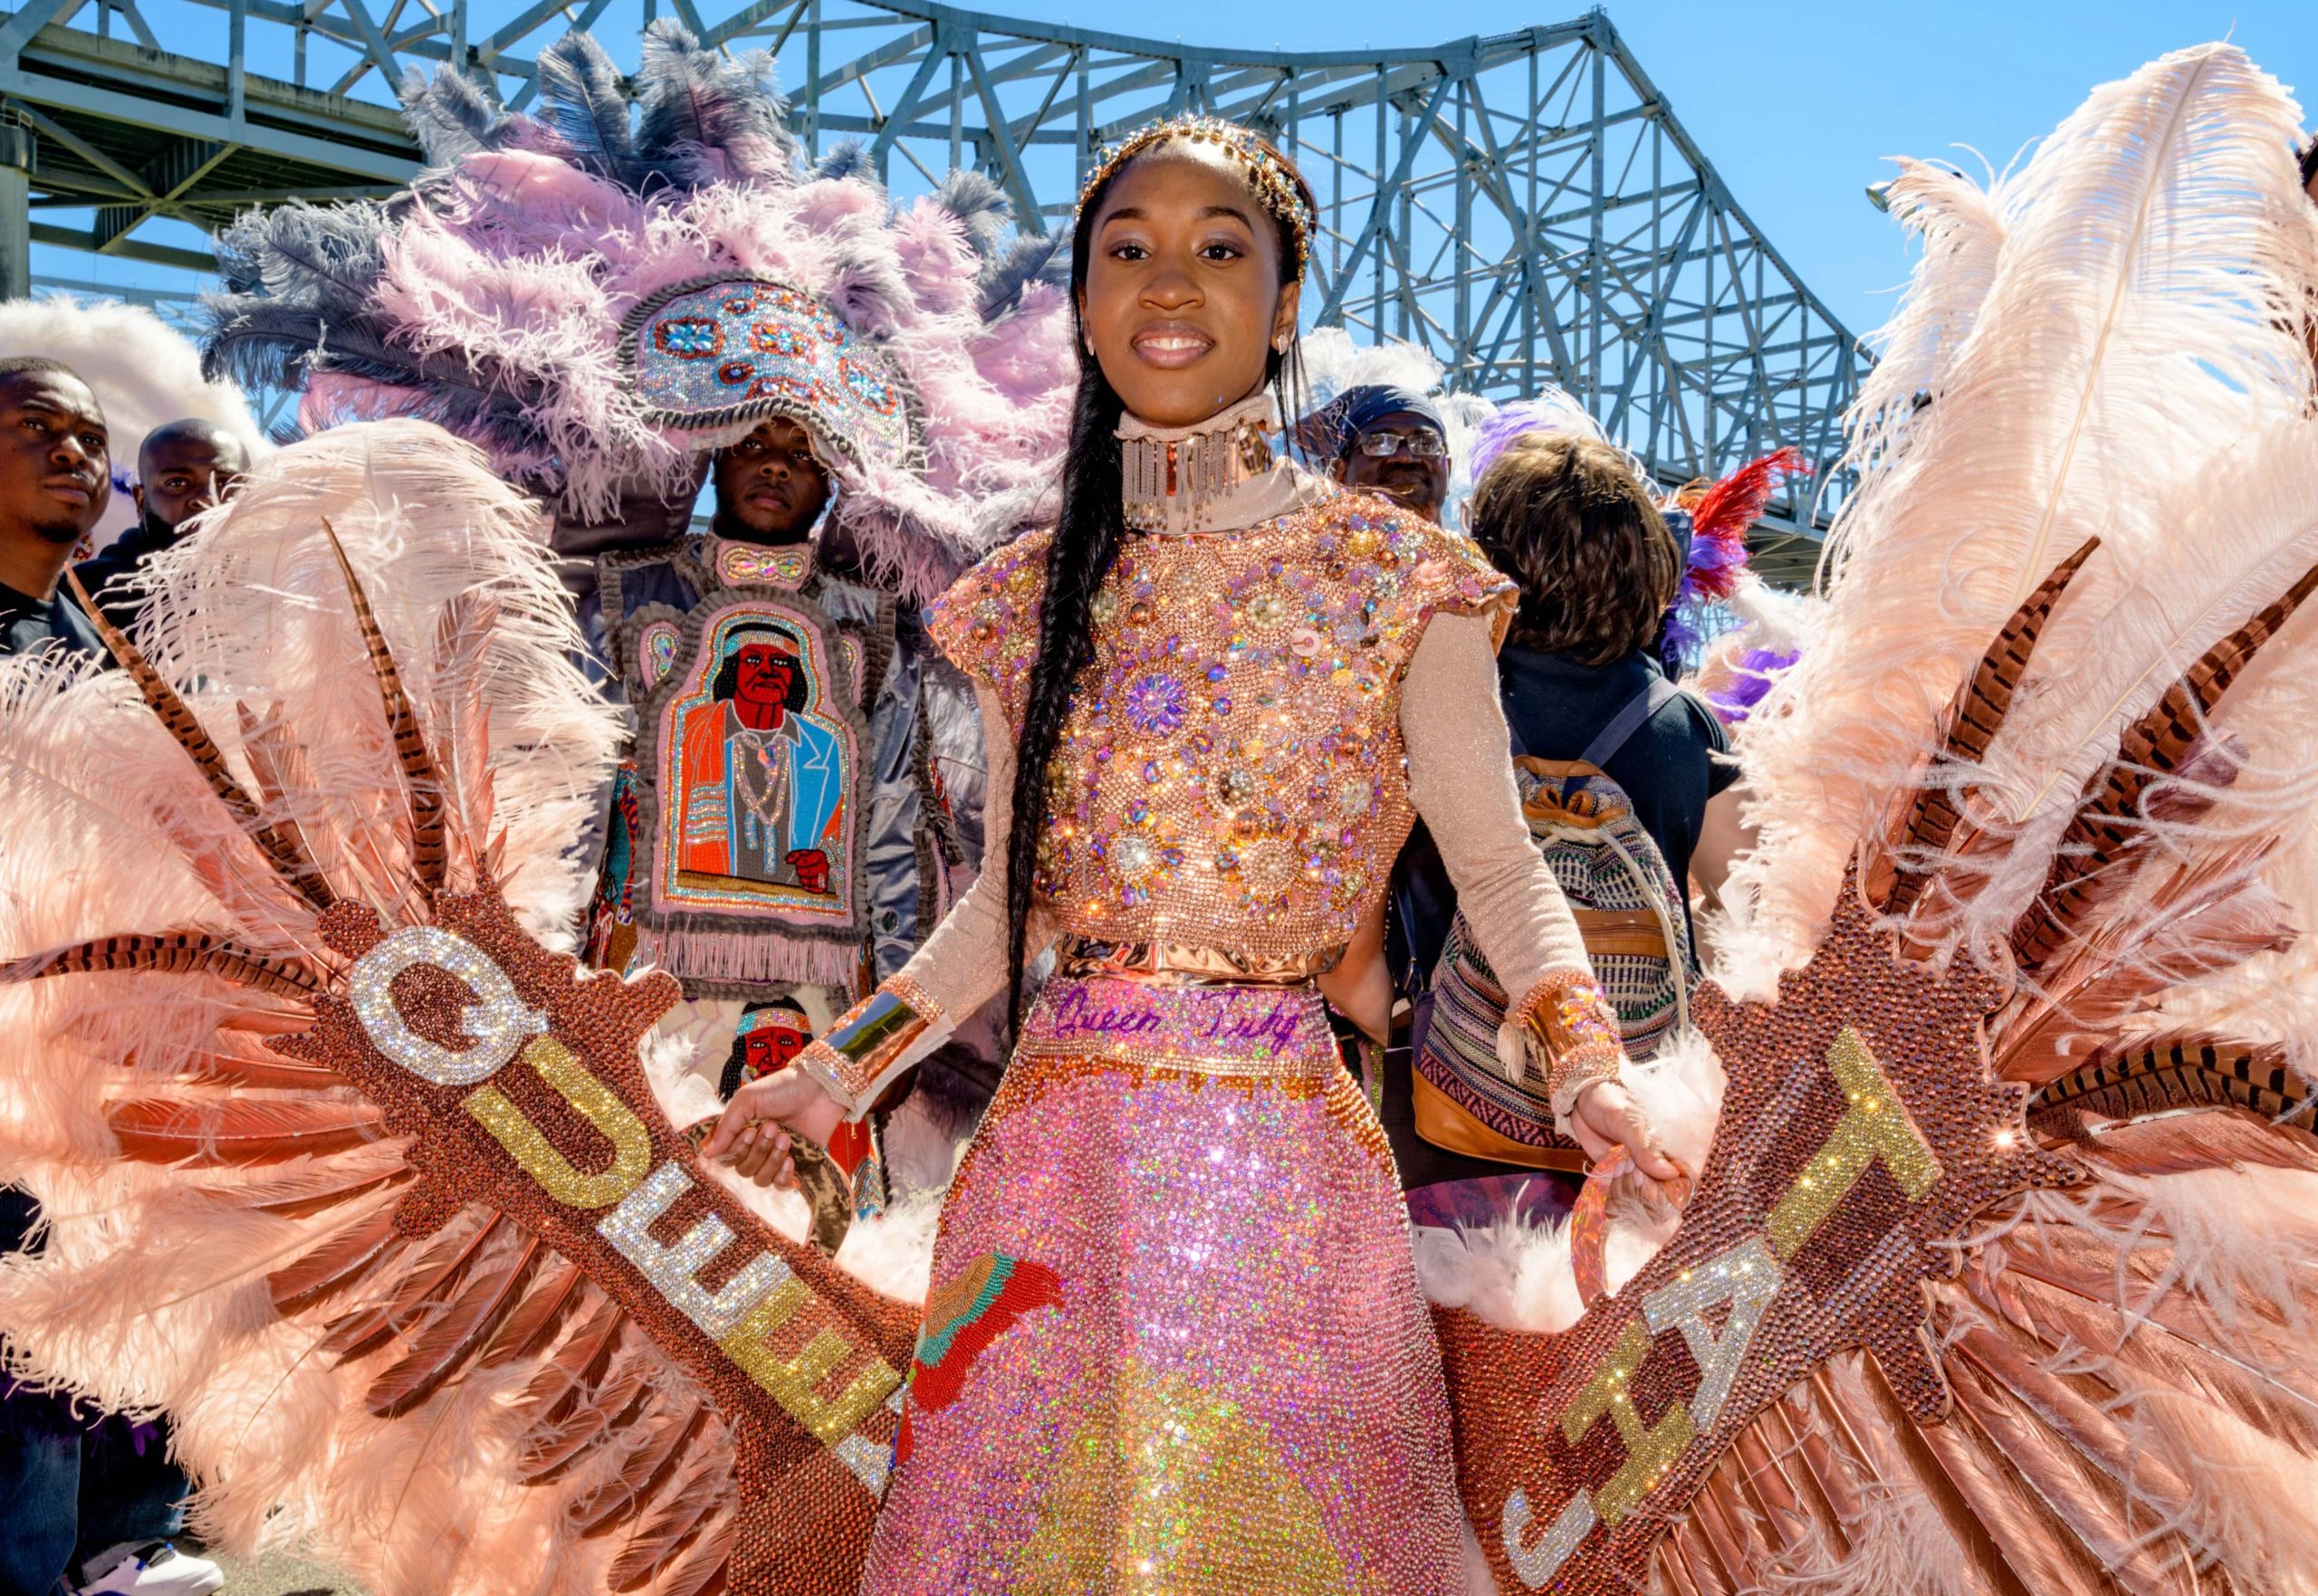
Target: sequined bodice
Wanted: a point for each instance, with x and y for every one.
(1231, 774)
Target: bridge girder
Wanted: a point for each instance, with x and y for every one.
(1524, 206)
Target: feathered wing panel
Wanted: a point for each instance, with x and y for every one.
(2146, 288)
(2131, 1408)
(448, 1294)
(1995, 1279)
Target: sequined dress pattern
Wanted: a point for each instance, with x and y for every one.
(1180, 1347)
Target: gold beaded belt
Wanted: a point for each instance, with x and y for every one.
(1189, 964)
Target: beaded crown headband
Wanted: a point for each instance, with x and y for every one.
(741, 636)
(1272, 178)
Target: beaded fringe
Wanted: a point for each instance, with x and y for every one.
(1176, 484)
(756, 956)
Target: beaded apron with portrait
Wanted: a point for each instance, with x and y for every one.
(1174, 1342)
(737, 853)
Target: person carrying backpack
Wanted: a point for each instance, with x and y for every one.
(1616, 767)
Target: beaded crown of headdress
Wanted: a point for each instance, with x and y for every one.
(1273, 179)
(741, 636)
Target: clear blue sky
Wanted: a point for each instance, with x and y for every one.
(1798, 101)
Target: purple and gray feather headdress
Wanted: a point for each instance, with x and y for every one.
(597, 295)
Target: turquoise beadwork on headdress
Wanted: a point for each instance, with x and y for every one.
(709, 354)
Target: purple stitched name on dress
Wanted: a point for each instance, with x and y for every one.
(1255, 1023)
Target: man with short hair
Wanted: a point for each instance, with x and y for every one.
(182, 468)
(90, 1499)
(1392, 441)
(55, 477)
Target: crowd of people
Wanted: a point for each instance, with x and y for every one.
(1247, 855)
(1598, 564)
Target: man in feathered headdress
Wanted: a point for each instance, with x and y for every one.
(878, 392)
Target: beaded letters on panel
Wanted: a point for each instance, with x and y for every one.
(566, 1139)
(1861, 1134)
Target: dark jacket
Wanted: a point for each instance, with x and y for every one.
(1555, 706)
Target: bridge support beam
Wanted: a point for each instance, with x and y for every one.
(16, 210)
(1524, 206)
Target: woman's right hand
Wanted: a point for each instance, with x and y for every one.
(751, 1137)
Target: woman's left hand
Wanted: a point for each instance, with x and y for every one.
(1605, 1116)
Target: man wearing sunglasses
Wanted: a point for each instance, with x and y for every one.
(1393, 444)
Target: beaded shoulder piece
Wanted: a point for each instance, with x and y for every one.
(987, 624)
(1412, 569)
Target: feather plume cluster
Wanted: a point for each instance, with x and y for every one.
(490, 298)
(2055, 719)
(368, 656)
(253, 618)
(2108, 341)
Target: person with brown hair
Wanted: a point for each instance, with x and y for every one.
(1596, 566)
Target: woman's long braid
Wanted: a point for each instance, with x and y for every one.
(1087, 541)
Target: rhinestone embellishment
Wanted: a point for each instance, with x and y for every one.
(497, 1024)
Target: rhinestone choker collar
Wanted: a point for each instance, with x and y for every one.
(1217, 475)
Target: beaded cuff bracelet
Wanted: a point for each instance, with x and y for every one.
(873, 1041)
(1572, 1031)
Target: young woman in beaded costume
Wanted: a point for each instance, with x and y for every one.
(1174, 1341)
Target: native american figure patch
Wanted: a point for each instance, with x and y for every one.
(749, 857)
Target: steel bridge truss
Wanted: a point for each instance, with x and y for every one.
(1525, 206)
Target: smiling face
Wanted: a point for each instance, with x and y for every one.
(1183, 301)
(56, 458)
(1418, 481)
(764, 676)
(769, 484)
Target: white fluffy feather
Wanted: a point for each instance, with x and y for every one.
(1517, 1276)
(2141, 319)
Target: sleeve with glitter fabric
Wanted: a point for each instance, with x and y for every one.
(987, 624)
(960, 966)
(1461, 779)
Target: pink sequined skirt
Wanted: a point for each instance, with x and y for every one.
(1174, 1342)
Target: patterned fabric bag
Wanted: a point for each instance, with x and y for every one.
(1633, 915)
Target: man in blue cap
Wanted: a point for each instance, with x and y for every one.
(1391, 442)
